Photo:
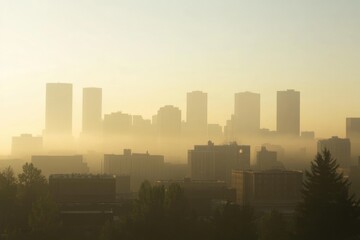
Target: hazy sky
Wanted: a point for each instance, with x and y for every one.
(146, 54)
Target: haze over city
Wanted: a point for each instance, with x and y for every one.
(206, 119)
(154, 53)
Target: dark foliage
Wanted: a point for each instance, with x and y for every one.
(328, 211)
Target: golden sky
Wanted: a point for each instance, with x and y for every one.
(146, 54)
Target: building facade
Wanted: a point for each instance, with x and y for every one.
(272, 189)
(288, 113)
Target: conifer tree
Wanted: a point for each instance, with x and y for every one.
(327, 211)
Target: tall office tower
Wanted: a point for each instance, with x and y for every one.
(58, 109)
(353, 133)
(353, 128)
(169, 121)
(196, 113)
(246, 114)
(117, 123)
(288, 113)
(215, 162)
(339, 148)
(92, 111)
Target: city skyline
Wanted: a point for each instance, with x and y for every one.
(77, 120)
(160, 51)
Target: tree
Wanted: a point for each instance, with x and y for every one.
(274, 227)
(44, 218)
(8, 192)
(235, 222)
(327, 210)
(32, 186)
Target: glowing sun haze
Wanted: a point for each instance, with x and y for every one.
(146, 54)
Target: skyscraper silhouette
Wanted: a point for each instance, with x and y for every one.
(168, 121)
(196, 112)
(353, 133)
(246, 114)
(59, 100)
(92, 111)
(288, 113)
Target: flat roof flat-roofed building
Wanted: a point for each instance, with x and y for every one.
(215, 162)
(340, 149)
(82, 188)
(139, 167)
(50, 164)
(271, 189)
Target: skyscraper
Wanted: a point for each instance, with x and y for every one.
(353, 133)
(353, 128)
(340, 149)
(196, 112)
(246, 113)
(288, 113)
(169, 121)
(92, 111)
(59, 99)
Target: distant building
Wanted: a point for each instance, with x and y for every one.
(141, 126)
(246, 114)
(353, 128)
(59, 100)
(203, 196)
(117, 124)
(354, 177)
(83, 188)
(267, 160)
(288, 113)
(196, 113)
(211, 162)
(139, 167)
(60, 164)
(215, 131)
(26, 145)
(339, 148)
(168, 121)
(308, 135)
(353, 133)
(92, 111)
(86, 200)
(267, 190)
(174, 171)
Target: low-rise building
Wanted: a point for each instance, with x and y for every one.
(272, 189)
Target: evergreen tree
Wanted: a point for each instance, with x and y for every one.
(327, 211)
(274, 227)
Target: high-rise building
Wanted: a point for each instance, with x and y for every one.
(92, 111)
(352, 128)
(246, 114)
(59, 99)
(340, 149)
(288, 113)
(215, 162)
(117, 123)
(353, 133)
(196, 112)
(168, 121)
(264, 158)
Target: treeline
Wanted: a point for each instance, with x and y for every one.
(27, 210)
(327, 211)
